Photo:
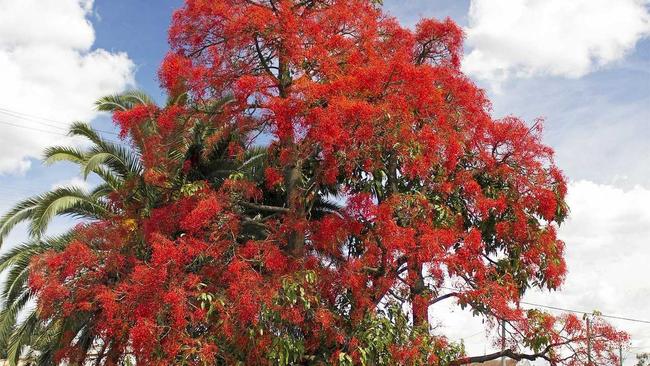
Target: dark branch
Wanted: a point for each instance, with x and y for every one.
(514, 355)
(265, 207)
(203, 48)
(443, 297)
(505, 353)
(263, 61)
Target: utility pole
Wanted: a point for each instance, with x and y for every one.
(588, 342)
(620, 354)
(503, 341)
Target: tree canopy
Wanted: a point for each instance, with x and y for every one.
(321, 179)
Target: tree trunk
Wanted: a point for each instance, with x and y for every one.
(295, 203)
(293, 172)
(419, 303)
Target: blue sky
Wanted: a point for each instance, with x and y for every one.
(583, 65)
(138, 28)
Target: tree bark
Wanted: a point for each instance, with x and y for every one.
(419, 305)
(293, 172)
(295, 203)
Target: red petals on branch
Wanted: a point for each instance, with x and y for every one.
(201, 215)
(133, 117)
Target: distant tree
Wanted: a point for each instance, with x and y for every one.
(384, 188)
(643, 359)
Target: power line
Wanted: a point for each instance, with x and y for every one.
(587, 313)
(40, 120)
(33, 128)
(473, 334)
(9, 111)
(60, 127)
(50, 131)
(575, 311)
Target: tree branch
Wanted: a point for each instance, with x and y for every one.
(263, 59)
(265, 207)
(505, 353)
(514, 355)
(443, 297)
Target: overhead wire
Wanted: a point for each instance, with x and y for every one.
(59, 124)
(625, 318)
(587, 313)
(53, 132)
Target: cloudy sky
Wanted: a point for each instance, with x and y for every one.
(583, 65)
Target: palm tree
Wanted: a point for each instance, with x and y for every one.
(115, 165)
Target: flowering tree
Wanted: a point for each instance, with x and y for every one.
(384, 189)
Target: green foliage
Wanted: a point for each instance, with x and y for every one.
(288, 347)
(39, 211)
(16, 294)
(379, 335)
(374, 340)
(539, 337)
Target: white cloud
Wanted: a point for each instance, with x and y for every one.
(72, 182)
(608, 246)
(597, 125)
(525, 38)
(49, 69)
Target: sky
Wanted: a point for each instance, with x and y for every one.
(582, 65)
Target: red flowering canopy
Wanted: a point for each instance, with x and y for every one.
(384, 188)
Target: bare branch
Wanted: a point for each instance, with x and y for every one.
(505, 353)
(265, 207)
(262, 58)
(444, 297)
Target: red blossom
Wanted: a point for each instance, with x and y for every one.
(128, 119)
(200, 216)
(273, 177)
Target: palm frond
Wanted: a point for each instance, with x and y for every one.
(123, 101)
(82, 129)
(15, 291)
(177, 99)
(18, 254)
(9, 317)
(72, 201)
(97, 159)
(328, 205)
(120, 160)
(216, 106)
(63, 153)
(21, 337)
(110, 179)
(254, 164)
(19, 213)
(93, 163)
